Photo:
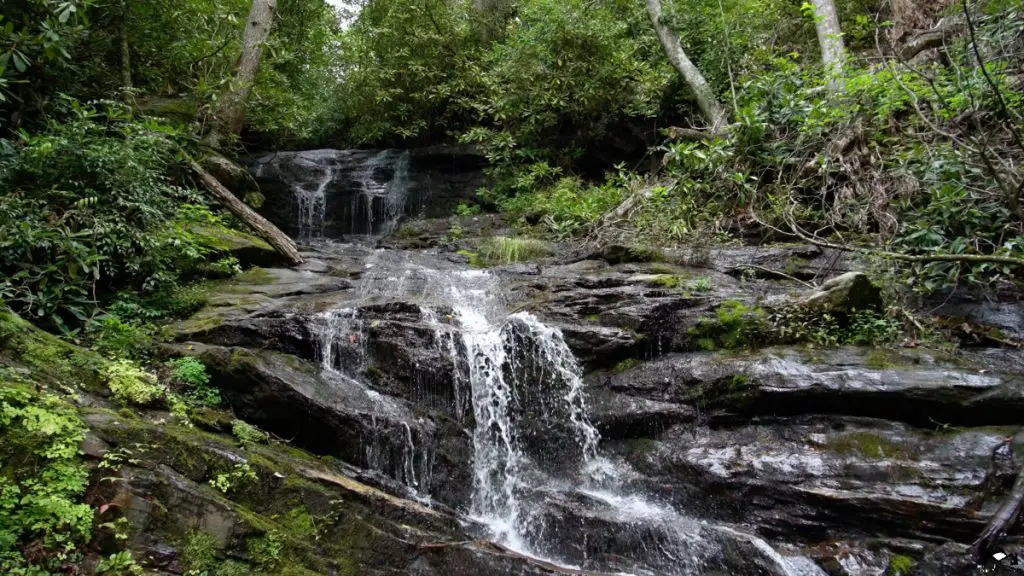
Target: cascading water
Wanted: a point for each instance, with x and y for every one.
(381, 203)
(344, 192)
(539, 484)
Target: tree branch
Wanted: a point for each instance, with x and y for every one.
(934, 38)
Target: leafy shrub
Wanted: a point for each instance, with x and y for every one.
(119, 564)
(467, 209)
(189, 370)
(130, 384)
(199, 554)
(567, 206)
(239, 476)
(797, 324)
(42, 483)
(116, 338)
(266, 550)
(247, 433)
(191, 373)
(91, 206)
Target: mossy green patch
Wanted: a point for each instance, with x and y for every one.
(627, 364)
(734, 326)
(668, 281)
(52, 361)
(901, 565)
(474, 258)
(256, 277)
(199, 551)
(224, 239)
(872, 446)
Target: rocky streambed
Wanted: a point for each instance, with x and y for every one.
(592, 410)
(776, 460)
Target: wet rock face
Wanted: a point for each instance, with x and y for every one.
(847, 456)
(909, 386)
(335, 193)
(821, 478)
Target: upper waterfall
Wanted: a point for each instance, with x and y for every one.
(351, 194)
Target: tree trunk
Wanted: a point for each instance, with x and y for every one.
(228, 123)
(230, 116)
(706, 99)
(830, 36)
(126, 54)
(279, 240)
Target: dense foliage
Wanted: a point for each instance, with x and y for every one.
(104, 236)
(42, 520)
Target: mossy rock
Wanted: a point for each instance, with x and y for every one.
(250, 250)
(622, 254)
(844, 294)
(53, 362)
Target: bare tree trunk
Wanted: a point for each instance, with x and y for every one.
(706, 99)
(830, 36)
(230, 115)
(228, 123)
(279, 240)
(126, 54)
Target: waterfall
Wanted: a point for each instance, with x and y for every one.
(344, 192)
(381, 203)
(539, 483)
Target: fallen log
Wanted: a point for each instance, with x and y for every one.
(935, 38)
(1001, 522)
(260, 225)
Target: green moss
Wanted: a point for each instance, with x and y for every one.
(474, 258)
(224, 239)
(734, 326)
(256, 277)
(665, 281)
(299, 523)
(199, 552)
(593, 317)
(52, 360)
(663, 268)
(795, 264)
(374, 373)
(900, 565)
(247, 434)
(626, 364)
(869, 445)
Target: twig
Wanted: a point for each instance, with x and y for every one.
(778, 273)
(974, 258)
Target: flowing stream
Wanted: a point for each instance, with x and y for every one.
(540, 485)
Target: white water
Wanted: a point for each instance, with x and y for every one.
(514, 372)
(374, 190)
(382, 203)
